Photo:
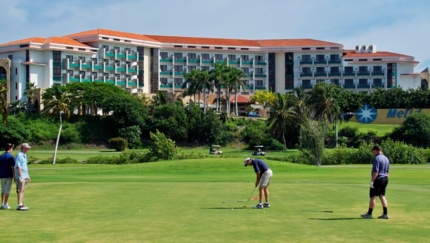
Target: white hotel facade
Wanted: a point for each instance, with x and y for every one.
(148, 63)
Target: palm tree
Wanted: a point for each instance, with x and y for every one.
(4, 112)
(191, 80)
(217, 76)
(56, 102)
(30, 91)
(204, 80)
(282, 113)
(237, 82)
(14, 106)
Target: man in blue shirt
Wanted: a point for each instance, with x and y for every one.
(264, 174)
(7, 162)
(378, 182)
(21, 174)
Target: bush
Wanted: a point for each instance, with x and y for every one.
(162, 147)
(118, 143)
(132, 134)
(66, 160)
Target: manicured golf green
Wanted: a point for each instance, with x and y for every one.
(182, 201)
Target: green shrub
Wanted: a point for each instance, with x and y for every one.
(66, 160)
(118, 143)
(161, 147)
(69, 134)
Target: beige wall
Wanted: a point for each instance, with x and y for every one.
(280, 73)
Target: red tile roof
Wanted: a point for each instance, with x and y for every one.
(25, 41)
(352, 54)
(294, 42)
(65, 41)
(203, 41)
(111, 33)
(240, 99)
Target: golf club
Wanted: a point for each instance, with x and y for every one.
(249, 198)
(321, 211)
(233, 201)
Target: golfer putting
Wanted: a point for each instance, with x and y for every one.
(263, 175)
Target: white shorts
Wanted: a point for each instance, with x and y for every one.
(6, 185)
(21, 184)
(265, 178)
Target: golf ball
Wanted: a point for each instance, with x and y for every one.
(264, 211)
(139, 210)
(231, 209)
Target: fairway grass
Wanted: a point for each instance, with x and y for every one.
(182, 201)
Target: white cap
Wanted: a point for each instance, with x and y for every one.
(25, 145)
(246, 161)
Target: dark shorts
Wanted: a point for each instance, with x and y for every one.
(379, 186)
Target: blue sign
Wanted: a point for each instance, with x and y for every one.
(366, 114)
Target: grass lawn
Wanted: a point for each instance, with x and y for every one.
(379, 129)
(182, 201)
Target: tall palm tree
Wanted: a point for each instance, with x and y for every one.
(238, 82)
(217, 76)
(282, 112)
(191, 81)
(31, 92)
(14, 106)
(206, 83)
(56, 102)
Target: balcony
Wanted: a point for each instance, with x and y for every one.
(98, 66)
(166, 60)
(120, 69)
(121, 82)
(379, 73)
(110, 68)
(166, 85)
(349, 74)
(179, 73)
(248, 74)
(98, 80)
(306, 74)
(193, 61)
(86, 80)
(132, 70)
(363, 73)
(320, 74)
(110, 81)
(110, 54)
(305, 61)
(54, 78)
(120, 55)
(233, 62)
(132, 56)
(334, 61)
(321, 61)
(332, 74)
(73, 64)
(179, 60)
(73, 79)
(260, 75)
(260, 63)
(363, 86)
(207, 61)
(219, 61)
(248, 87)
(246, 62)
(380, 85)
(86, 65)
(166, 73)
(132, 83)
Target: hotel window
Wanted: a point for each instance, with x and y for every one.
(127, 49)
(178, 56)
(259, 58)
(163, 68)
(245, 58)
(192, 56)
(334, 57)
(178, 81)
(57, 71)
(178, 68)
(362, 69)
(320, 70)
(306, 70)
(117, 63)
(106, 47)
(349, 69)
(82, 58)
(306, 82)
(306, 58)
(218, 57)
(205, 57)
(56, 56)
(116, 48)
(191, 68)
(289, 69)
(334, 70)
(70, 57)
(377, 82)
(259, 83)
(245, 70)
(320, 58)
(349, 82)
(117, 76)
(82, 73)
(163, 80)
(127, 77)
(163, 55)
(232, 57)
(258, 71)
(377, 69)
(94, 74)
(128, 64)
(70, 72)
(362, 82)
(289, 83)
(334, 81)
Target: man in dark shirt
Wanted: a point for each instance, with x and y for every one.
(378, 182)
(264, 174)
(7, 163)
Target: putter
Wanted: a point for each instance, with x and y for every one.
(249, 198)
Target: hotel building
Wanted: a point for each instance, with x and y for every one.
(148, 63)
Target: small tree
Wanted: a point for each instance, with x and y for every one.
(162, 147)
(415, 130)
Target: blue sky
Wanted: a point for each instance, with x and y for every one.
(393, 25)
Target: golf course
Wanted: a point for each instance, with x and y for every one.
(197, 201)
